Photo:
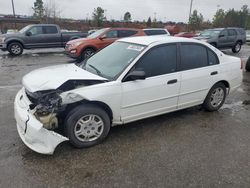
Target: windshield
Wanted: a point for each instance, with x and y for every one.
(112, 60)
(210, 33)
(97, 33)
(23, 30)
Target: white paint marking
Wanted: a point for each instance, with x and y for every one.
(10, 86)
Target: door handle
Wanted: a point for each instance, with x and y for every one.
(172, 81)
(214, 73)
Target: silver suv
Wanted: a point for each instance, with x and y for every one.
(224, 38)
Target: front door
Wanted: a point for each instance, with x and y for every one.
(34, 37)
(158, 93)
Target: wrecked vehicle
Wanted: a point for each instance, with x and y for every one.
(132, 79)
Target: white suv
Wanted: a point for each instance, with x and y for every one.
(132, 79)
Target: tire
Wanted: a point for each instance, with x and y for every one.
(214, 44)
(215, 97)
(248, 65)
(237, 47)
(87, 125)
(86, 53)
(15, 48)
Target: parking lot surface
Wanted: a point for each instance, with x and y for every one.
(188, 148)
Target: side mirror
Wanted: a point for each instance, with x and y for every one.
(221, 36)
(103, 37)
(135, 75)
(28, 33)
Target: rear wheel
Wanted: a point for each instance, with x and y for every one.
(237, 47)
(15, 48)
(87, 125)
(215, 98)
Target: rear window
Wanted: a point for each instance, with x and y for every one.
(155, 32)
(50, 29)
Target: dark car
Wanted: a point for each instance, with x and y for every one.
(37, 36)
(224, 38)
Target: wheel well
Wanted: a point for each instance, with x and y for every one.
(102, 105)
(89, 47)
(240, 41)
(227, 85)
(12, 41)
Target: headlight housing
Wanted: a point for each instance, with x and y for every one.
(2, 39)
(75, 44)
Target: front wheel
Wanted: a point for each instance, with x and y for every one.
(87, 125)
(15, 48)
(237, 47)
(87, 53)
(215, 97)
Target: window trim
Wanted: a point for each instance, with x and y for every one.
(160, 45)
(198, 44)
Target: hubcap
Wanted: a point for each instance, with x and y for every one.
(237, 47)
(15, 49)
(217, 97)
(88, 53)
(89, 128)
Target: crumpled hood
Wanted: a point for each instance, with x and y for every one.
(54, 76)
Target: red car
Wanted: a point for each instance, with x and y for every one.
(186, 35)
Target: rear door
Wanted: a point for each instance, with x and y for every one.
(158, 93)
(199, 71)
(52, 37)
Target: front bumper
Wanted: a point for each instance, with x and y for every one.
(3, 46)
(31, 130)
(72, 55)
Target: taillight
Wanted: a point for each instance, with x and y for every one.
(241, 64)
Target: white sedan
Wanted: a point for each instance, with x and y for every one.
(132, 79)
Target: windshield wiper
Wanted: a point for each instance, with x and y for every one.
(98, 72)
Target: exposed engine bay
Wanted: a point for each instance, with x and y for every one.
(48, 104)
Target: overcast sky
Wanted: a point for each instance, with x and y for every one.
(166, 10)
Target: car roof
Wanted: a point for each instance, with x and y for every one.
(147, 40)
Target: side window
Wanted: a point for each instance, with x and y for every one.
(224, 32)
(158, 61)
(212, 58)
(193, 56)
(126, 33)
(50, 30)
(232, 32)
(112, 34)
(36, 30)
(155, 32)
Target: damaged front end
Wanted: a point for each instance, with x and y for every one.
(40, 115)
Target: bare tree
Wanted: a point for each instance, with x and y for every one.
(52, 11)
